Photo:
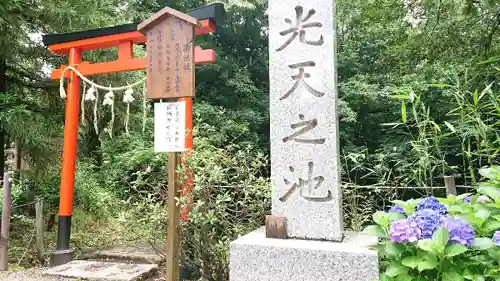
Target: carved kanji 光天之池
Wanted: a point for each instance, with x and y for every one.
(300, 79)
(305, 126)
(299, 29)
(310, 188)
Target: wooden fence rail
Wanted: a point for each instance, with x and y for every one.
(449, 186)
(39, 231)
(5, 227)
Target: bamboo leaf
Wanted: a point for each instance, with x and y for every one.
(403, 112)
(485, 91)
(440, 85)
(401, 97)
(450, 127)
(412, 96)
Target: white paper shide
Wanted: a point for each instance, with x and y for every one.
(170, 126)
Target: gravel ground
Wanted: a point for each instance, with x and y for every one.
(30, 275)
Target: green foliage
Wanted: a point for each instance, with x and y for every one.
(437, 50)
(231, 195)
(439, 258)
(230, 199)
(428, 68)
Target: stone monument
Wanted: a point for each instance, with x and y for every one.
(305, 162)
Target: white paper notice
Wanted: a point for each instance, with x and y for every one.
(170, 126)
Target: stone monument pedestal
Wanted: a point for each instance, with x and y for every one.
(255, 257)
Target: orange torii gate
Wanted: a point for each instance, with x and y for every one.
(122, 37)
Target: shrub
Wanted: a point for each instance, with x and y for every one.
(453, 238)
(230, 198)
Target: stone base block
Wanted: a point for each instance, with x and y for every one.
(255, 257)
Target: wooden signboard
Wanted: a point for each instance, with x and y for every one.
(170, 53)
(170, 126)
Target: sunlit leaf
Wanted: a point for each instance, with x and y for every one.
(403, 112)
(450, 126)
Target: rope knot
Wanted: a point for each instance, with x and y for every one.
(90, 95)
(128, 97)
(108, 98)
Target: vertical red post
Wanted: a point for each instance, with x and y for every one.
(125, 50)
(63, 254)
(189, 122)
(189, 183)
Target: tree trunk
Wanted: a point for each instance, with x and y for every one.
(2, 153)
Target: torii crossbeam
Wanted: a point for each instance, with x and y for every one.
(123, 38)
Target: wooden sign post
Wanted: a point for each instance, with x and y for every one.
(164, 57)
(170, 76)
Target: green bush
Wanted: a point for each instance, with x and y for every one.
(230, 198)
(453, 238)
(231, 194)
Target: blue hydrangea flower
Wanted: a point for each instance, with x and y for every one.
(397, 209)
(468, 200)
(428, 221)
(404, 231)
(433, 204)
(461, 232)
(496, 238)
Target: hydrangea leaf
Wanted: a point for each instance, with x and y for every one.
(456, 209)
(440, 238)
(427, 265)
(426, 245)
(483, 244)
(490, 226)
(396, 216)
(481, 216)
(490, 172)
(394, 249)
(452, 276)
(492, 192)
(404, 277)
(411, 261)
(455, 250)
(396, 269)
(381, 218)
(461, 197)
(375, 230)
(400, 203)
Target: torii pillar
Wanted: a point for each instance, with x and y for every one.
(75, 44)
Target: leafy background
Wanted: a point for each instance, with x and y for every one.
(419, 99)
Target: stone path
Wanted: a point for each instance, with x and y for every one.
(105, 271)
(120, 263)
(140, 252)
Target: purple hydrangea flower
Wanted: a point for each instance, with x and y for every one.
(428, 221)
(404, 231)
(496, 238)
(431, 203)
(461, 232)
(397, 209)
(468, 200)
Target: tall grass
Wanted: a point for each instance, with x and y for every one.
(457, 143)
